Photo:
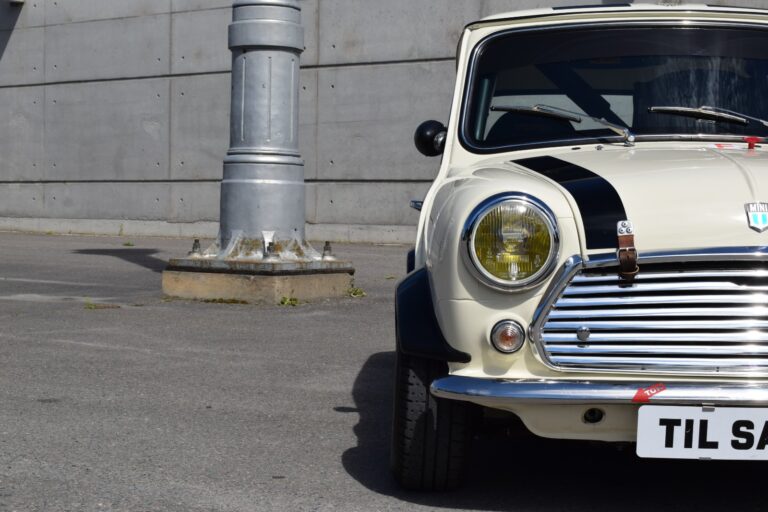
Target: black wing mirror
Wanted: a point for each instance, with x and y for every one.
(430, 138)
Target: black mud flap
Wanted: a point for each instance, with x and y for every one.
(418, 333)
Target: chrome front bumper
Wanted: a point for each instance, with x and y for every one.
(506, 393)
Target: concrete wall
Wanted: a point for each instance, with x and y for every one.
(114, 113)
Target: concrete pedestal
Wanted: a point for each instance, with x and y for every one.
(256, 282)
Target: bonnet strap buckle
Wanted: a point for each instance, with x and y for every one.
(627, 254)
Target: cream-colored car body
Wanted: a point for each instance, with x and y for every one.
(663, 186)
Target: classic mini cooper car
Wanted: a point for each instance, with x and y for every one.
(593, 254)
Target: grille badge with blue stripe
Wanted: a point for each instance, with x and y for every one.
(757, 216)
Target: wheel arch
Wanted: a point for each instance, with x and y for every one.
(417, 330)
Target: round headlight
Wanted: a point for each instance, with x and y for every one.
(512, 241)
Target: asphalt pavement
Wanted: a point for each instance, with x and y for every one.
(114, 398)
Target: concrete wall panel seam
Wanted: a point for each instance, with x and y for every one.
(120, 79)
(208, 73)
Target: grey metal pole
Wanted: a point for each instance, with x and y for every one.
(262, 192)
(262, 253)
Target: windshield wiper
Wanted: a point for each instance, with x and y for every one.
(751, 118)
(561, 113)
(542, 110)
(704, 112)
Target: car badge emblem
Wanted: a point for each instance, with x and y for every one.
(583, 333)
(757, 216)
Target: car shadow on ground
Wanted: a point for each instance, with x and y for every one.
(529, 473)
(142, 257)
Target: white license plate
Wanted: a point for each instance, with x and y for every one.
(729, 433)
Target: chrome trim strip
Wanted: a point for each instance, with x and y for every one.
(560, 280)
(508, 392)
(709, 254)
(468, 234)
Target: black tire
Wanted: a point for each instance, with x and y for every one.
(431, 436)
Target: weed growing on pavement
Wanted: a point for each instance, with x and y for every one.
(224, 301)
(356, 292)
(289, 301)
(128, 244)
(93, 305)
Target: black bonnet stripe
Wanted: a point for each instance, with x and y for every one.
(600, 205)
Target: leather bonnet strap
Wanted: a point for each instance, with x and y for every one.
(627, 254)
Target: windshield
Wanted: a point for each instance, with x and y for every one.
(620, 75)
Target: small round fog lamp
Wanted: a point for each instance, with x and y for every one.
(507, 336)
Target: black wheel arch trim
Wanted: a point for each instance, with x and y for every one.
(410, 262)
(416, 328)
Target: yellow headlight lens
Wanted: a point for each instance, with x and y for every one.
(513, 241)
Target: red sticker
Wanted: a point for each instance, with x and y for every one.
(644, 395)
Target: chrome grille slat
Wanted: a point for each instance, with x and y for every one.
(660, 337)
(675, 275)
(689, 350)
(705, 286)
(758, 311)
(624, 325)
(643, 300)
(691, 317)
(655, 363)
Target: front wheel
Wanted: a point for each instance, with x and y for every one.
(431, 436)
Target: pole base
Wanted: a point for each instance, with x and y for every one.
(258, 281)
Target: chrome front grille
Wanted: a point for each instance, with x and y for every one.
(708, 318)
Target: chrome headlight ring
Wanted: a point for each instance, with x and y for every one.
(468, 238)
